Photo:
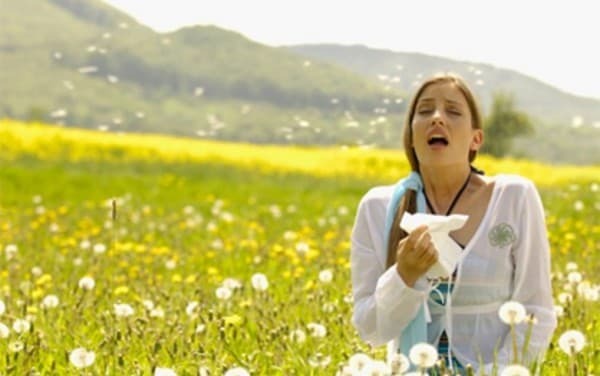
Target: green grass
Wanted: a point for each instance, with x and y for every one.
(231, 232)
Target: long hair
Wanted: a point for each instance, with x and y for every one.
(409, 201)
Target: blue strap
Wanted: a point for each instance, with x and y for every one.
(416, 331)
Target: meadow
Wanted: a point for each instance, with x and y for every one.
(161, 254)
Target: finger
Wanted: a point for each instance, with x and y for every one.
(414, 236)
(422, 244)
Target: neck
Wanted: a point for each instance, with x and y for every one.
(442, 184)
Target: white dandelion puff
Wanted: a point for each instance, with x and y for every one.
(161, 371)
(423, 355)
(50, 301)
(565, 297)
(21, 326)
(302, 248)
(358, 361)
(512, 312)
(10, 251)
(317, 330)
(148, 304)
(326, 276)
(376, 368)
(123, 310)
(571, 342)
(4, 331)
(260, 282)
(559, 311)
(298, 335)
(232, 283)
(398, 363)
(82, 358)
(99, 248)
(571, 266)
(574, 277)
(319, 360)
(237, 371)
(2, 307)
(86, 283)
(515, 370)
(223, 293)
(192, 308)
(157, 313)
(16, 346)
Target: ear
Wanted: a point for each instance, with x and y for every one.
(477, 140)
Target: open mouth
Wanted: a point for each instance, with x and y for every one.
(437, 140)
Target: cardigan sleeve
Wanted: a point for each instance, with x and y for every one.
(531, 280)
(383, 303)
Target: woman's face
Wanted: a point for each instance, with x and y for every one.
(442, 129)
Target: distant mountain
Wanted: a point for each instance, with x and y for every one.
(568, 126)
(401, 70)
(84, 63)
(81, 62)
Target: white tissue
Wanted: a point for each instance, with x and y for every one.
(439, 226)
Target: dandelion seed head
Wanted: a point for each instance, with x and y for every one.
(565, 297)
(326, 276)
(398, 363)
(298, 336)
(423, 355)
(260, 282)
(161, 371)
(191, 308)
(2, 307)
(376, 368)
(232, 283)
(99, 248)
(157, 313)
(21, 326)
(237, 371)
(571, 342)
(15, 346)
(223, 293)
(358, 361)
(86, 283)
(50, 301)
(316, 330)
(123, 310)
(515, 370)
(81, 358)
(512, 313)
(4, 331)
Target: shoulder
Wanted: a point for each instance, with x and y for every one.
(513, 183)
(377, 196)
(373, 204)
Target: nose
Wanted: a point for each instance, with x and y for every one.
(437, 117)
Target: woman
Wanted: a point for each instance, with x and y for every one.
(505, 253)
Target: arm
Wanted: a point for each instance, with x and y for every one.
(531, 280)
(383, 303)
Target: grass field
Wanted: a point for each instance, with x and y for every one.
(177, 272)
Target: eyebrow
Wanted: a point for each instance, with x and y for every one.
(446, 99)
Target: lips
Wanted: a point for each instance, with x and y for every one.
(437, 139)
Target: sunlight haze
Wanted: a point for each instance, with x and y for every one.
(555, 42)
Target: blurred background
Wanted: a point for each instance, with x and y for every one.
(310, 73)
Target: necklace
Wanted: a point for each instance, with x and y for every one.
(460, 192)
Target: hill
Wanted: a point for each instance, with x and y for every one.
(86, 64)
(568, 126)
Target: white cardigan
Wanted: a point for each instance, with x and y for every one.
(508, 258)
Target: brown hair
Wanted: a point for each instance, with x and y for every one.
(409, 201)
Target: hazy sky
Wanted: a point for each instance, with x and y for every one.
(557, 42)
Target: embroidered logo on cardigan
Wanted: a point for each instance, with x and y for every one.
(502, 235)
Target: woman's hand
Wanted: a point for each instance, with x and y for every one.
(415, 255)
